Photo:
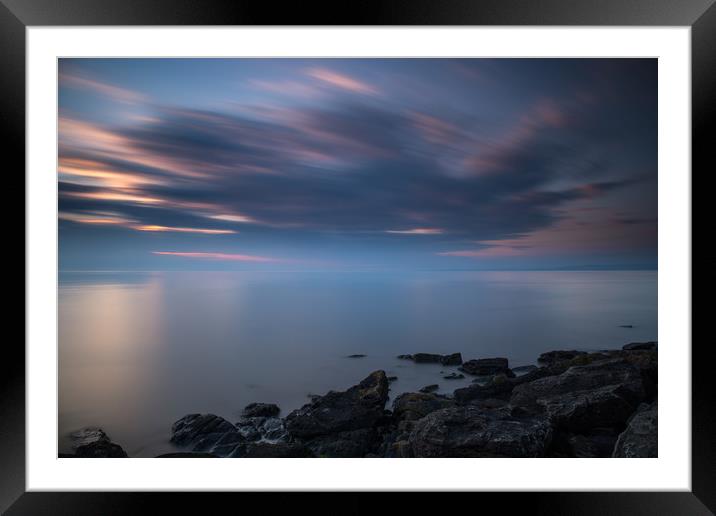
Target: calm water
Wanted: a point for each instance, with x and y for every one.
(139, 350)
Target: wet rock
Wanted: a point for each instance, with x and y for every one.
(451, 360)
(524, 369)
(219, 444)
(454, 376)
(641, 346)
(361, 406)
(470, 431)
(351, 443)
(640, 439)
(261, 410)
(192, 428)
(582, 378)
(552, 357)
(430, 388)
(262, 428)
(485, 366)
(95, 443)
(411, 406)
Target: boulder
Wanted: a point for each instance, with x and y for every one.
(430, 388)
(95, 443)
(640, 439)
(583, 378)
(218, 444)
(192, 428)
(433, 358)
(262, 428)
(473, 432)
(642, 346)
(553, 357)
(411, 406)
(500, 386)
(452, 359)
(486, 366)
(361, 406)
(348, 444)
(261, 410)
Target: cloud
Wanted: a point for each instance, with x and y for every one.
(232, 257)
(155, 228)
(102, 88)
(416, 231)
(341, 81)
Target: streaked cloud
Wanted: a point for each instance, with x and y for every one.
(169, 229)
(108, 90)
(342, 81)
(232, 257)
(416, 231)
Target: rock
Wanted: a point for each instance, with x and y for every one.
(95, 443)
(582, 378)
(392, 378)
(473, 432)
(485, 366)
(581, 411)
(430, 388)
(348, 444)
(499, 386)
(261, 410)
(454, 376)
(361, 406)
(262, 428)
(271, 450)
(411, 406)
(552, 357)
(356, 356)
(626, 325)
(640, 439)
(524, 369)
(644, 346)
(193, 427)
(221, 445)
(433, 358)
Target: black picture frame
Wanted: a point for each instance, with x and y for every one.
(17, 15)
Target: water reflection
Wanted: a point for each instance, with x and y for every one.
(137, 351)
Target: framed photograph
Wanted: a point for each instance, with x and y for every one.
(424, 247)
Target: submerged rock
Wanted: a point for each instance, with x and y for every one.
(261, 410)
(356, 356)
(474, 432)
(524, 369)
(433, 358)
(361, 406)
(640, 439)
(430, 388)
(95, 443)
(486, 366)
(454, 376)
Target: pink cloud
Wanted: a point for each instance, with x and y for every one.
(108, 90)
(232, 257)
(416, 231)
(155, 228)
(341, 81)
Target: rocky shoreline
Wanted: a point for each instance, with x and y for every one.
(574, 404)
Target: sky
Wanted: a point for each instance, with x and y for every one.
(353, 164)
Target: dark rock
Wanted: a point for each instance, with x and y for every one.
(95, 443)
(452, 359)
(582, 378)
(411, 406)
(430, 388)
(639, 346)
(351, 443)
(356, 356)
(473, 432)
(187, 455)
(392, 378)
(626, 325)
(640, 439)
(433, 358)
(193, 427)
(598, 443)
(485, 366)
(581, 411)
(552, 357)
(261, 410)
(361, 406)
(454, 376)
(524, 369)
(500, 386)
(271, 450)
(221, 445)
(262, 428)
